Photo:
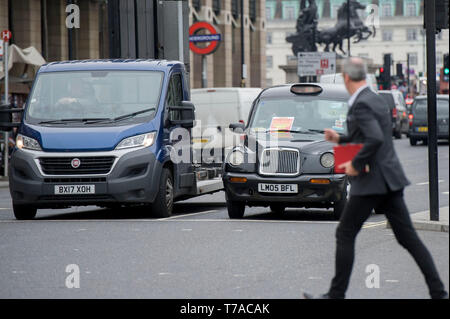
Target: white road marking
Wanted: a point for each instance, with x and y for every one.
(190, 214)
(238, 275)
(4, 208)
(370, 225)
(426, 183)
(445, 193)
(186, 229)
(391, 280)
(163, 273)
(314, 278)
(237, 230)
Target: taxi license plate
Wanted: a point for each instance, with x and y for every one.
(422, 129)
(278, 188)
(74, 189)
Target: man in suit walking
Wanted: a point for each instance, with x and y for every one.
(376, 178)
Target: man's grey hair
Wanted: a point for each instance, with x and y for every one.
(355, 68)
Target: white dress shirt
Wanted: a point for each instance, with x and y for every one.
(355, 95)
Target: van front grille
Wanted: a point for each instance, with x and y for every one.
(87, 165)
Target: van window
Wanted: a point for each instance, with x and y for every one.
(175, 96)
(93, 94)
(214, 109)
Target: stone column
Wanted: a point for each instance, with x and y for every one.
(4, 22)
(223, 60)
(26, 22)
(258, 51)
(57, 31)
(87, 36)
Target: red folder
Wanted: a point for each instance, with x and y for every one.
(344, 153)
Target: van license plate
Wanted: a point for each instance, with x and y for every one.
(278, 188)
(74, 189)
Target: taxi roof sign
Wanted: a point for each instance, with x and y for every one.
(306, 89)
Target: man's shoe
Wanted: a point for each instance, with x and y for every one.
(309, 296)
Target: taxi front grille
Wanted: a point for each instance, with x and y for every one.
(279, 161)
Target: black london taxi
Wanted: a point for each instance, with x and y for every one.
(284, 160)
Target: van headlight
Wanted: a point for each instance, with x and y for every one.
(25, 142)
(327, 160)
(143, 140)
(236, 158)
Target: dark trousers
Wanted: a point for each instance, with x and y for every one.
(356, 211)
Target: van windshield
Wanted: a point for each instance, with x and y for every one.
(420, 108)
(94, 97)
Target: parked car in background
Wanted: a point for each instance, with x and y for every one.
(418, 119)
(338, 79)
(399, 113)
(216, 109)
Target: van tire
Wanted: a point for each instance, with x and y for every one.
(22, 212)
(236, 210)
(163, 205)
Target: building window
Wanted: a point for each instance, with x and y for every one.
(290, 58)
(411, 34)
(386, 9)
(216, 7)
(269, 62)
(289, 13)
(269, 13)
(410, 9)
(413, 59)
(269, 82)
(269, 37)
(386, 35)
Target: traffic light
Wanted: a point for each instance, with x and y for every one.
(399, 70)
(446, 68)
(446, 64)
(385, 76)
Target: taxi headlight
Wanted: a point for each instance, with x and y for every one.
(327, 160)
(236, 158)
(25, 142)
(143, 140)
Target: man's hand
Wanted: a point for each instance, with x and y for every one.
(349, 169)
(331, 135)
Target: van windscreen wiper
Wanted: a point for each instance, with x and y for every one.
(75, 120)
(130, 115)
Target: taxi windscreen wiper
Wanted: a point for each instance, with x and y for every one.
(75, 120)
(305, 131)
(130, 115)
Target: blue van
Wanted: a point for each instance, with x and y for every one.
(107, 133)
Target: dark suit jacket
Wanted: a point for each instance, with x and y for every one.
(369, 122)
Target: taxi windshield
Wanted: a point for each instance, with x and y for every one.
(94, 96)
(299, 115)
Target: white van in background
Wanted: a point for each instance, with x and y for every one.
(338, 79)
(215, 110)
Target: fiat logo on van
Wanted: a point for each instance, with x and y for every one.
(75, 163)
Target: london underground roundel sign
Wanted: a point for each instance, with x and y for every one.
(213, 38)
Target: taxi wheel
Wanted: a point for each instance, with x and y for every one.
(277, 209)
(235, 209)
(412, 141)
(338, 208)
(22, 212)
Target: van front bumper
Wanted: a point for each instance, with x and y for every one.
(133, 178)
(309, 194)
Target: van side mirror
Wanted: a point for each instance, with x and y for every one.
(237, 126)
(182, 115)
(6, 123)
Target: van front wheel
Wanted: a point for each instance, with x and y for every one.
(163, 204)
(22, 212)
